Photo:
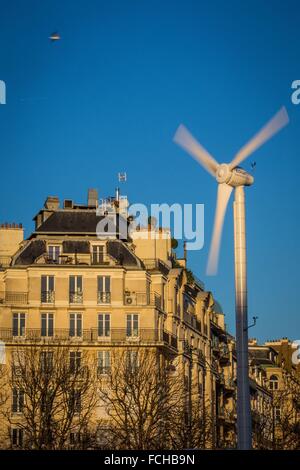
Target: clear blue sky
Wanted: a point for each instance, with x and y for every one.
(109, 96)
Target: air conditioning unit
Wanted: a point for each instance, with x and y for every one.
(130, 298)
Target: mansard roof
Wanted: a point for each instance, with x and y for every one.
(117, 249)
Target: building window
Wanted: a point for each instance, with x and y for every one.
(104, 295)
(132, 325)
(104, 324)
(46, 361)
(17, 437)
(132, 360)
(47, 289)
(273, 382)
(75, 289)
(47, 320)
(54, 253)
(98, 254)
(75, 401)
(17, 401)
(277, 414)
(19, 324)
(103, 362)
(75, 361)
(75, 324)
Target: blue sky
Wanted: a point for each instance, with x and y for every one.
(109, 96)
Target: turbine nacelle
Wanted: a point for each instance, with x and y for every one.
(235, 177)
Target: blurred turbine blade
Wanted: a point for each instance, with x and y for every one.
(183, 138)
(224, 192)
(277, 122)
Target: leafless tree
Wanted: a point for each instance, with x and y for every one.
(139, 396)
(53, 396)
(262, 429)
(286, 414)
(191, 423)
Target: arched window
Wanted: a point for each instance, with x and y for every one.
(273, 382)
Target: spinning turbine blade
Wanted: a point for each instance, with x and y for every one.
(277, 122)
(183, 138)
(224, 192)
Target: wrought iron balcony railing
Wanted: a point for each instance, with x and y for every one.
(92, 335)
(76, 297)
(48, 297)
(13, 298)
(143, 299)
(191, 320)
(170, 339)
(103, 297)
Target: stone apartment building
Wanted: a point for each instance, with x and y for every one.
(100, 293)
(275, 374)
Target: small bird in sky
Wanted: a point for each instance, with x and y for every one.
(253, 165)
(54, 37)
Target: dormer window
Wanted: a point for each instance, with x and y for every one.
(97, 254)
(54, 252)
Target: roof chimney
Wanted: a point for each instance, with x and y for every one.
(52, 203)
(92, 198)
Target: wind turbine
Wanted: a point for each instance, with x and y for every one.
(230, 176)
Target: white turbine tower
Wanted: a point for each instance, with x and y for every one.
(230, 176)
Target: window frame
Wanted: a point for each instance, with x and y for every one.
(76, 295)
(98, 253)
(274, 383)
(75, 361)
(48, 292)
(105, 367)
(104, 294)
(104, 318)
(77, 316)
(131, 330)
(57, 248)
(18, 401)
(19, 327)
(47, 335)
(19, 437)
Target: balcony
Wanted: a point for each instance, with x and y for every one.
(170, 339)
(75, 297)
(191, 320)
(228, 384)
(186, 347)
(103, 297)
(48, 297)
(156, 264)
(228, 416)
(224, 353)
(13, 298)
(113, 336)
(151, 299)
